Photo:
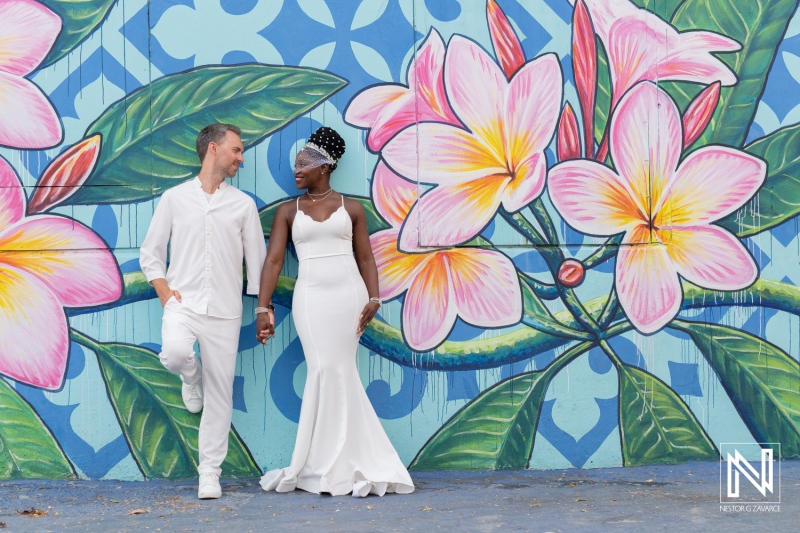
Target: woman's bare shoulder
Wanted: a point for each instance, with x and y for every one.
(287, 208)
(353, 206)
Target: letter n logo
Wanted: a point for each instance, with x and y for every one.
(761, 480)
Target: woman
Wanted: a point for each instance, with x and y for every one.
(341, 447)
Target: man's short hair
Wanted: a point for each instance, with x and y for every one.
(213, 133)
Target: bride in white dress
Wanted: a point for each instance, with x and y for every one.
(341, 447)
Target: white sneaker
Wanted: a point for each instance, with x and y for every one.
(193, 396)
(209, 486)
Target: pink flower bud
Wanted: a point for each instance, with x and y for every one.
(65, 174)
(568, 144)
(571, 273)
(699, 113)
(504, 39)
(584, 65)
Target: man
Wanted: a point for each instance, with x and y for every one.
(210, 227)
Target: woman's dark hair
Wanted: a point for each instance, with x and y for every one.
(327, 139)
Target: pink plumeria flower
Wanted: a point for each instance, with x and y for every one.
(47, 262)
(496, 158)
(480, 286)
(664, 206)
(641, 46)
(388, 108)
(27, 118)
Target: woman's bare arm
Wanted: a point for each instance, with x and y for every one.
(271, 271)
(365, 261)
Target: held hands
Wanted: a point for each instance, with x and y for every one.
(265, 326)
(366, 316)
(265, 322)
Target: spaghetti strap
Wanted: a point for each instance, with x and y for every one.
(342, 195)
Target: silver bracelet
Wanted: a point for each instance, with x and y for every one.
(258, 310)
(376, 300)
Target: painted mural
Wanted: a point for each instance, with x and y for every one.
(584, 214)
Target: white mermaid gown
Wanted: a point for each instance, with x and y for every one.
(341, 446)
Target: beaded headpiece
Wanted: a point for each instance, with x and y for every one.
(323, 146)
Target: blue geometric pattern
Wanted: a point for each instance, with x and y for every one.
(390, 37)
(579, 451)
(684, 379)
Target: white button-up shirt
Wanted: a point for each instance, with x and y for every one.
(207, 241)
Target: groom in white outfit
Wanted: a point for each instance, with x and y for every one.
(210, 227)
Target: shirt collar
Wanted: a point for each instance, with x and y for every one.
(199, 184)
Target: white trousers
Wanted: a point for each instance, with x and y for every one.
(219, 342)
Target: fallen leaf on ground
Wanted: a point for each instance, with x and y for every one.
(33, 513)
(2, 524)
(580, 499)
(426, 508)
(138, 511)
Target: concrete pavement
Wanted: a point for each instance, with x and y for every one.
(661, 498)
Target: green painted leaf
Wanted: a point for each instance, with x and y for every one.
(759, 26)
(762, 381)
(656, 427)
(149, 136)
(374, 220)
(80, 19)
(778, 200)
(602, 106)
(161, 433)
(496, 430)
(493, 432)
(27, 448)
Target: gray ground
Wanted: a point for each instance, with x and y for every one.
(664, 498)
